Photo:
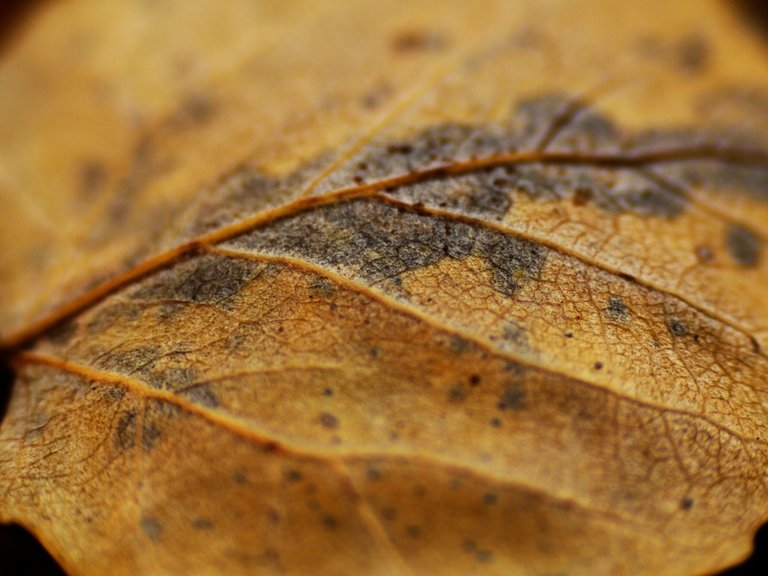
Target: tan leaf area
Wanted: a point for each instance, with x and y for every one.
(385, 287)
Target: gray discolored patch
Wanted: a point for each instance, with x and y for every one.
(323, 287)
(151, 527)
(201, 393)
(379, 242)
(150, 434)
(209, 279)
(127, 361)
(169, 378)
(513, 397)
(125, 433)
(514, 333)
(559, 121)
(491, 192)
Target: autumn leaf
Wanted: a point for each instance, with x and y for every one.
(385, 287)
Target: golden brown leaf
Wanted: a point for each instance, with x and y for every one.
(385, 288)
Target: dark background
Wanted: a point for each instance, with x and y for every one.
(20, 552)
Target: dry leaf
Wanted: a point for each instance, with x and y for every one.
(385, 287)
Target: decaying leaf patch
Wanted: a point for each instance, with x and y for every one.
(483, 302)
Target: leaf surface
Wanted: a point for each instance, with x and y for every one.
(386, 288)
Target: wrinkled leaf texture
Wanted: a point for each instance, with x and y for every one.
(385, 287)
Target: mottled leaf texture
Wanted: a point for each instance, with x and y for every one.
(376, 287)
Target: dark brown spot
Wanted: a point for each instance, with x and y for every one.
(376, 96)
(403, 149)
(469, 545)
(196, 109)
(202, 524)
(93, 176)
(693, 54)
(330, 523)
(328, 420)
(413, 531)
(457, 393)
(686, 504)
(490, 498)
(389, 513)
(598, 365)
(239, 478)
(415, 41)
(582, 195)
(677, 328)
(474, 380)
(271, 446)
(292, 475)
